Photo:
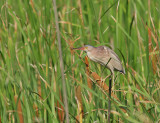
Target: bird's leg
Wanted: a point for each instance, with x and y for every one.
(113, 81)
(109, 99)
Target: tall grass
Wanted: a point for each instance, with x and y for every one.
(30, 76)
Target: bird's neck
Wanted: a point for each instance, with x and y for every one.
(89, 54)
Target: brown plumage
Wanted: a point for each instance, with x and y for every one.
(104, 56)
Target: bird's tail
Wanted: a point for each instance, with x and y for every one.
(123, 71)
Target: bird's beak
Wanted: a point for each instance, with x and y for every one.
(80, 48)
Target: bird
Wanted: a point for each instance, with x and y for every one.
(108, 58)
(104, 56)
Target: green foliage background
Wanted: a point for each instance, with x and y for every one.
(29, 59)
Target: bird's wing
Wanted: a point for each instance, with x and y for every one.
(115, 60)
(112, 54)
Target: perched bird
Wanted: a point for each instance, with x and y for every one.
(108, 58)
(104, 56)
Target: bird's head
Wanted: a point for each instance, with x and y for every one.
(86, 48)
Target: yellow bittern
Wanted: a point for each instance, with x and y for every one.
(106, 57)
